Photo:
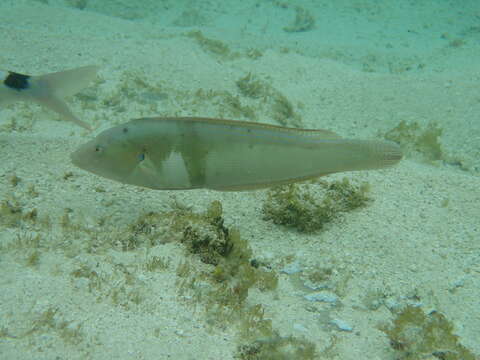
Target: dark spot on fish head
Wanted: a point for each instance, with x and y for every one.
(98, 149)
(125, 130)
(17, 81)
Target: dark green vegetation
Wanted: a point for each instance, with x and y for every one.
(262, 93)
(416, 335)
(257, 98)
(418, 142)
(277, 348)
(215, 47)
(252, 87)
(309, 207)
(205, 235)
(217, 276)
(13, 214)
(304, 21)
(79, 4)
(134, 90)
(51, 320)
(224, 287)
(219, 49)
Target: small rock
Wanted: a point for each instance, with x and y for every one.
(300, 327)
(322, 296)
(292, 268)
(342, 325)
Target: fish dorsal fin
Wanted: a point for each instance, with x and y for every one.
(314, 133)
(320, 133)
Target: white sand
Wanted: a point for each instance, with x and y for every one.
(418, 241)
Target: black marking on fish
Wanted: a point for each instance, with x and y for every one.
(17, 81)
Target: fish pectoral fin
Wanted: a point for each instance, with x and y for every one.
(60, 107)
(144, 173)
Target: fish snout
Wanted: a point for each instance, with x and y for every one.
(82, 157)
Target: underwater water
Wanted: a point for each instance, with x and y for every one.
(377, 264)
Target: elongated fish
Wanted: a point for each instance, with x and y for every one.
(191, 153)
(47, 90)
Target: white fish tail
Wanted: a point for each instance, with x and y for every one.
(50, 89)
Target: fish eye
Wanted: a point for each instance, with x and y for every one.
(141, 157)
(98, 149)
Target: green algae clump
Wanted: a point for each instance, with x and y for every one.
(416, 335)
(304, 21)
(232, 272)
(252, 87)
(418, 142)
(277, 348)
(215, 47)
(300, 207)
(281, 108)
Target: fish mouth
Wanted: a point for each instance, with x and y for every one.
(80, 156)
(75, 158)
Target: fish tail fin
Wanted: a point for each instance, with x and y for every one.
(50, 89)
(69, 82)
(7, 96)
(60, 107)
(388, 153)
(375, 154)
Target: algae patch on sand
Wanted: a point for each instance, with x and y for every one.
(416, 335)
(417, 141)
(264, 95)
(306, 209)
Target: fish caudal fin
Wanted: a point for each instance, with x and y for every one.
(50, 89)
(69, 82)
(59, 106)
